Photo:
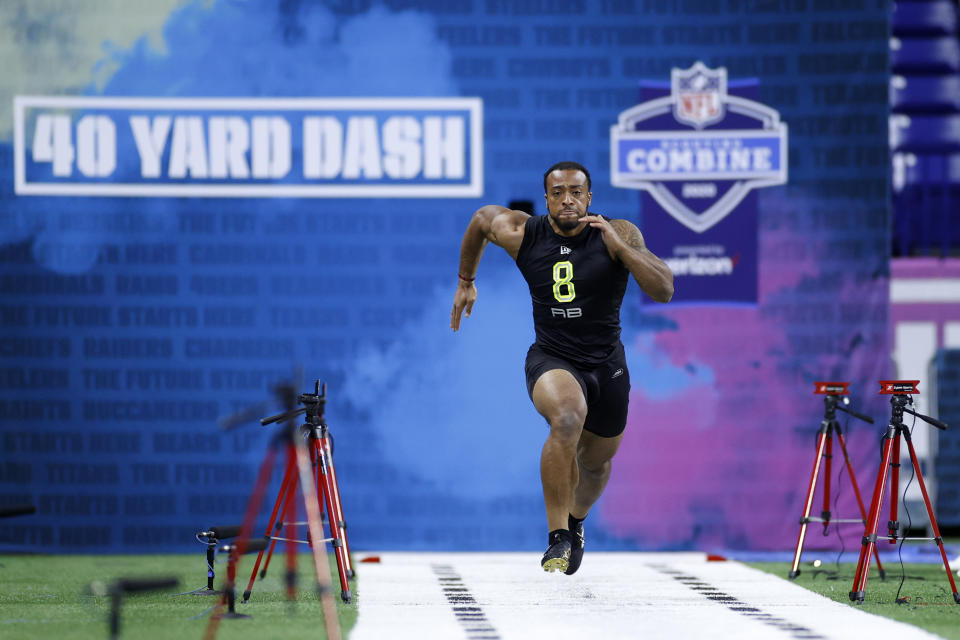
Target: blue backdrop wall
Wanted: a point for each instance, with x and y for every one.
(130, 324)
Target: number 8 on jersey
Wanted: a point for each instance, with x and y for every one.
(563, 289)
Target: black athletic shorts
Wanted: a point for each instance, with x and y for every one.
(606, 388)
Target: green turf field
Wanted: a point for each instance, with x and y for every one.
(929, 606)
(48, 597)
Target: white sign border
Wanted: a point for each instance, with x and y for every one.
(473, 189)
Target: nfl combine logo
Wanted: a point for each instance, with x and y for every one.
(699, 151)
(700, 93)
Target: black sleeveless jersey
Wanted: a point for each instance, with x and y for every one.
(576, 289)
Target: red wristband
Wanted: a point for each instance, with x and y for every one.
(467, 279)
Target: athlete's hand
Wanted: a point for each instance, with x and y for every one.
(610, 236)
(463, 300)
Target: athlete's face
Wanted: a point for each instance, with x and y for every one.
(567, 196)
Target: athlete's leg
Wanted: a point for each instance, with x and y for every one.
(558, 397)
(594, 456)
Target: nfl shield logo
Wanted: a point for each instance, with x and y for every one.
(699, 94)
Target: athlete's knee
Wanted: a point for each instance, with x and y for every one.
(595, 460)
(566, 426)
(595, 468)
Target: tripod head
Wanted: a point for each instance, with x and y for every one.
(901, 392)
(836, 400)
(314, 403)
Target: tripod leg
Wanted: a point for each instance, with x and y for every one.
(284, 517)
(314, 450)
(253, 505)
(321, 563)
(341, 523)
(288, 475)
(856, 491)
(115, 600)
(893, 526)
(338, 547)
(263, 479)
(291, 534)
(827, 476)
(933, 519)
(807, 505)
(873, 520)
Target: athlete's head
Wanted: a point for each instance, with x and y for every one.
(567, 191)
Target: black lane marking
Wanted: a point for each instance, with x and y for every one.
(468, 613)
(734, 604)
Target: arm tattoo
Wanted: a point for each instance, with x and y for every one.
(629, 233)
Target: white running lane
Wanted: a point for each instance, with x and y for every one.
(669, 596)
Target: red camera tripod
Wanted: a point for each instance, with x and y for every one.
(899, 392)
(835, 397)
(302, 468)
(320, 447)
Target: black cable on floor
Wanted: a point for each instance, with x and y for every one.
(836, 501)
(903, 538)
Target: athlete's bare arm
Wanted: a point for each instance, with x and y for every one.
(499, 225)
(625, 244)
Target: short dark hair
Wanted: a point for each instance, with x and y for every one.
(566, 166)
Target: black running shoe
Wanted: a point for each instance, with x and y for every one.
(557, 556)
(576, 549)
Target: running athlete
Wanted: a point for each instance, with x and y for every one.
(576, 265)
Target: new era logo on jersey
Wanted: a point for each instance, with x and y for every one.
(565, 250)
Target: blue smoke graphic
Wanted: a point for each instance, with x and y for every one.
(265, 48)
(454, 405)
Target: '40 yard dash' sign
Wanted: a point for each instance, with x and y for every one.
(256, 147)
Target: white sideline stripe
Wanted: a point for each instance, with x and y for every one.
(614, 595)
(904, 290)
